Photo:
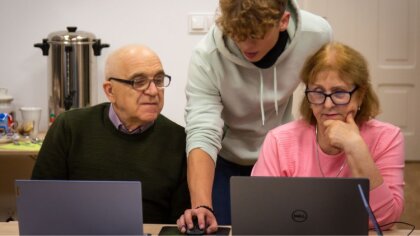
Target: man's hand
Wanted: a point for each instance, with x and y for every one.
(206, 220)
(200, 176)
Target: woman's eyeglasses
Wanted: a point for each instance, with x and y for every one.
(338, 97)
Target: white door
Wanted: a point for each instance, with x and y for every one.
(387, 33)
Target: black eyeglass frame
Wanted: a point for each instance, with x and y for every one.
(133, 81)
(330, 96)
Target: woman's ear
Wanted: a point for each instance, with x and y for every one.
(361, 96)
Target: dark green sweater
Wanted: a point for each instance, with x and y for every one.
(83, 144)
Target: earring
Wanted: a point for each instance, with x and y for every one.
(358, 108)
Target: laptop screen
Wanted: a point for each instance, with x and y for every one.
(292, 206)
(63, 207)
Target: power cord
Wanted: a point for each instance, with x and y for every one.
(413, 227)
(372, 217)
(369, 211)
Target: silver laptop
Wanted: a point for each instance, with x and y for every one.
(62, 207)
(298, 206)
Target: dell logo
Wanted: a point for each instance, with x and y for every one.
(299, 216)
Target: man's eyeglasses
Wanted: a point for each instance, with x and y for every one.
(338, 98)
(143, 83)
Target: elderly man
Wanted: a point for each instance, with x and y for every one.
(126, 139)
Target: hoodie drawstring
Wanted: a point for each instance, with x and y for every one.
(275, 91)
(261, 98)
(262, 93)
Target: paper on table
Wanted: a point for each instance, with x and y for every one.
(5, 139)
(23, 146)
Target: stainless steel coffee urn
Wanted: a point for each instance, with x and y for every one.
(71, 69)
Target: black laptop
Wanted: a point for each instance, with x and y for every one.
(298, 206)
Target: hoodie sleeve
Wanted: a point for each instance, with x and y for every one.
(204, 125)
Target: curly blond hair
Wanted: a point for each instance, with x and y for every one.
(243, 19)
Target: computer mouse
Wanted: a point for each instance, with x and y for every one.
(195, 230)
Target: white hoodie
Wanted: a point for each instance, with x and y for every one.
(231, 103)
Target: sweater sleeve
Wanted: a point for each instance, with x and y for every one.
(268, 159)
(180, 200)
(204, 125)
(387, 200)
(285, 148)
(51, 160)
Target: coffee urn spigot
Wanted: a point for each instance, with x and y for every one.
(44, 46)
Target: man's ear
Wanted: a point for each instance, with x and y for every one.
(108, 89)
(284, 21)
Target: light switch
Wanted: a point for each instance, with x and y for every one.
(198, 22)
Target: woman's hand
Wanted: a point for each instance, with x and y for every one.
(346, 136)
(343, 135)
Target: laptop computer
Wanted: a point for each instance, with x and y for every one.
(62, 207)
(298, 206)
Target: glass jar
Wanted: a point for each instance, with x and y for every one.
(6, 110)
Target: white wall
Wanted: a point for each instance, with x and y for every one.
(160, 24)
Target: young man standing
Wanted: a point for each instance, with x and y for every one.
(240, 85)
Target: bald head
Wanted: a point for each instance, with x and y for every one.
(119, 63)
(124, 67)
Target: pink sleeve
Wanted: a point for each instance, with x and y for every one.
(285, 148)
(267, 163)
(387, 200)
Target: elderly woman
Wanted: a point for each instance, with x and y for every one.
(338, 135)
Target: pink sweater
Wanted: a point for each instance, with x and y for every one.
(289, 150)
